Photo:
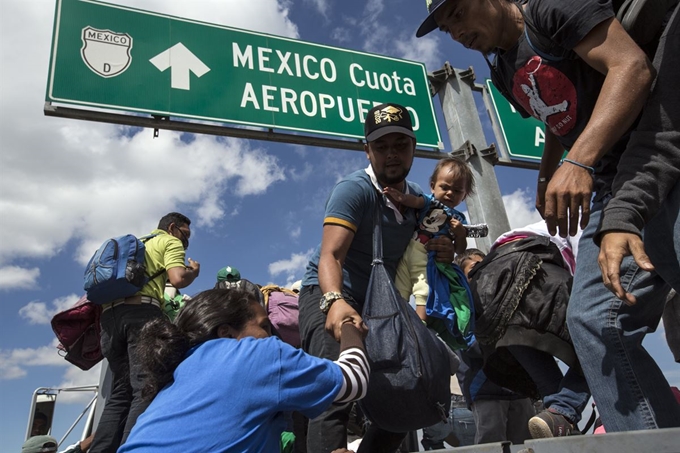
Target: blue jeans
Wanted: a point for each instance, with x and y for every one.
(627, 385)
(119, 337)
(433, 436)
(565, 394)
(460, 423)
(463, 423)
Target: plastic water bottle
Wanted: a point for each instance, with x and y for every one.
(480, 230)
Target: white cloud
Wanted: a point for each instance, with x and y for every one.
(425, 49)
(75, 377)
(40, 313)
(673, 377)
(389, 39)
(13, 363)
(341, 35)
(268, 16)
(292, 268)
(520, 208)
(15, 277)
(62, 179)
(133, 176)
(373, 8)
(301, 174)
(322, 6)
(295, 232)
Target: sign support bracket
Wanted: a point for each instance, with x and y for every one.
(159, 118)
(455, 88)
(159, 122)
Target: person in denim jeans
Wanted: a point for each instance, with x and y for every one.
(630, 389)
(459, 428)
(573, 66)
(121, 321)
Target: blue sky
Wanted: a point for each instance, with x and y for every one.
(67, 185)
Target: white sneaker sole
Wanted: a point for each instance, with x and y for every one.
(539, 429)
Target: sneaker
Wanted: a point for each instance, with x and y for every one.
(551, 424)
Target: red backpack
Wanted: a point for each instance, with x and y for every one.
(282, 308)
(78, 332)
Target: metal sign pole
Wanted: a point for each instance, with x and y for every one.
(455, 88)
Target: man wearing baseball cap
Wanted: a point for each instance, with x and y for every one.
(230, 278)
(336, 280)
(572, 65)
(40, 444)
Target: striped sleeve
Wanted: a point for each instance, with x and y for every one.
(355, 369)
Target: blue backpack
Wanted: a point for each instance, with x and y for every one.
(117, 269)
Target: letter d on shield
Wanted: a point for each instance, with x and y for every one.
(105, 52)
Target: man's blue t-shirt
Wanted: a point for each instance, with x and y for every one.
(230, 396)
(352, 205)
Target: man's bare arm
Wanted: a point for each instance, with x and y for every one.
(550, 160)
(181, 277)
(335, 243)
(628, 78)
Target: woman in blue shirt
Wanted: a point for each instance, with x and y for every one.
(219, 381)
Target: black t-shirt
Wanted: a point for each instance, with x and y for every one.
(561, 94)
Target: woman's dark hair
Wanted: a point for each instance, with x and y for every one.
(163, 345)
(461, 258)
(460, 167)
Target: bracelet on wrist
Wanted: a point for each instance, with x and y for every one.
(578, 164)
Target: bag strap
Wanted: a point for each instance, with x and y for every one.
(154, 276)
(162, 269)
(377, 233)
(542, 45)
(147, 237)
(497, 80)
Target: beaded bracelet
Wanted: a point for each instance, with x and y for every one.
(579, 164)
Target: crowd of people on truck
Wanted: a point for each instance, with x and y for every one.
(584, 286)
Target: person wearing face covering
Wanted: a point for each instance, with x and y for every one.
(122, 319)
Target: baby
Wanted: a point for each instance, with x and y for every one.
(451, 182)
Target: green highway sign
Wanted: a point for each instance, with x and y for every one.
(116, 57)
(523, 137)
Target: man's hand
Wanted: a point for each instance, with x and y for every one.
(340, 313)
(541, 187)
(616, 245)
(182, 276)
(568, 194)
(194, 265)
(444, 248)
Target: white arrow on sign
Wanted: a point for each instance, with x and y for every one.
(182, 62)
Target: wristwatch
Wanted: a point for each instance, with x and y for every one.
(327, 300)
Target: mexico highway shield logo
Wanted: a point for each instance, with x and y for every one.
(105, 52)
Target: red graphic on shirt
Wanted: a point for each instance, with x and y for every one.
(547, 94)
